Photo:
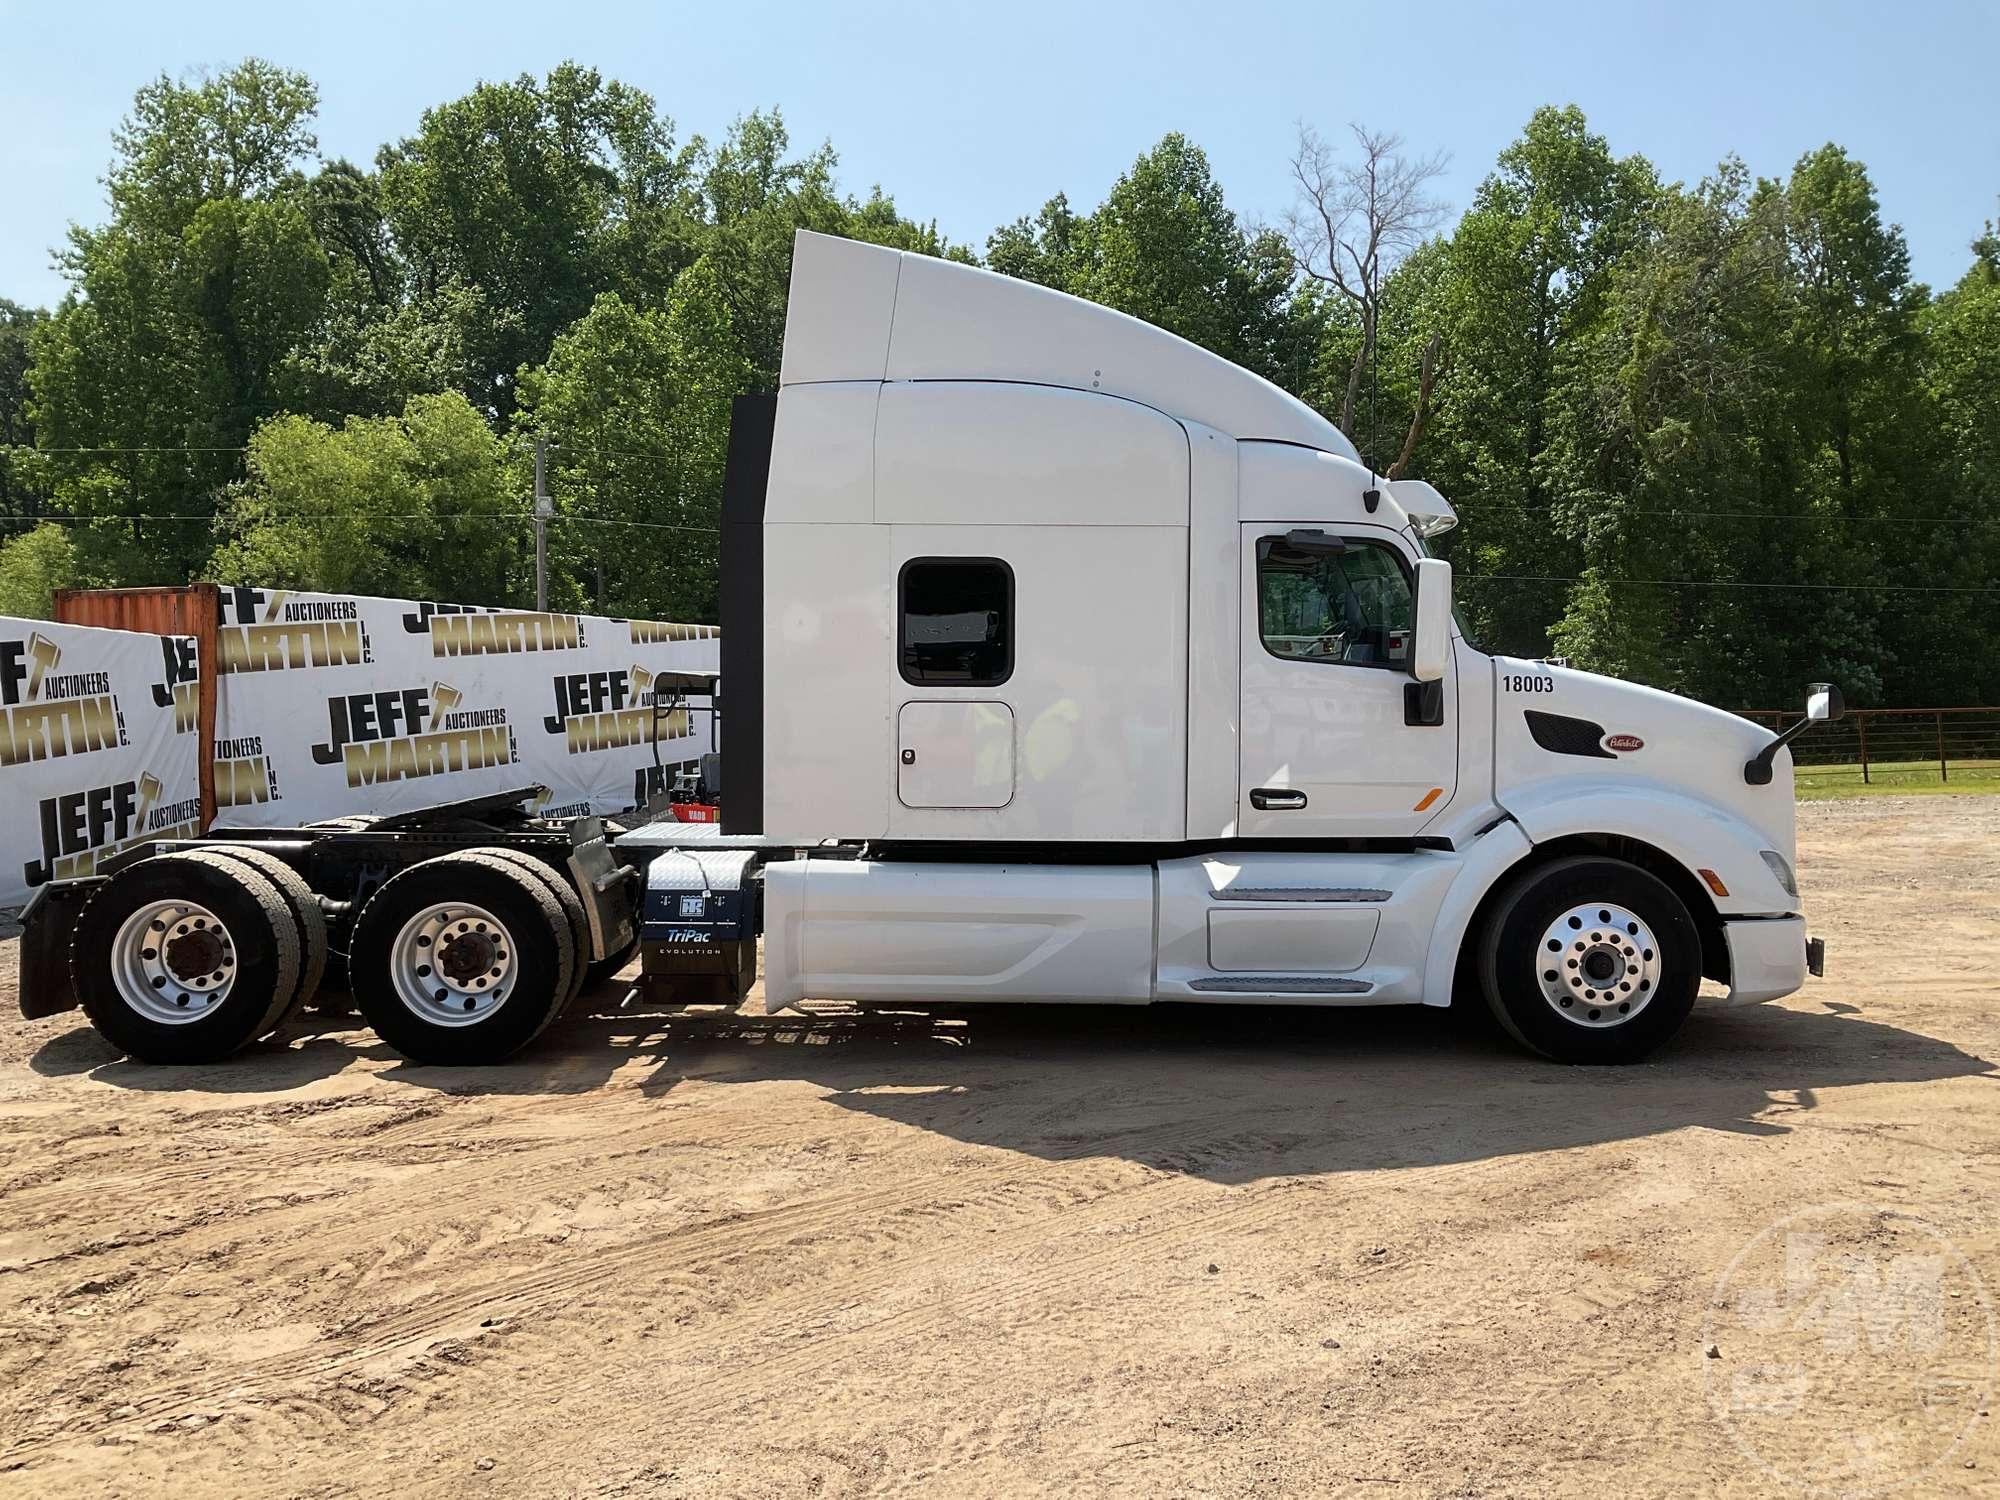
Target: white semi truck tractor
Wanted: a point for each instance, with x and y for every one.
(1062, 661)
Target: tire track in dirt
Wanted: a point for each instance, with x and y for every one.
(67, 1196)
(402, 1334)
(398, 1339)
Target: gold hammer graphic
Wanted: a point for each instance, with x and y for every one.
(46, 653)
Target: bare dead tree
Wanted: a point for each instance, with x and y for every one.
(1426, 380)
(1352, 223)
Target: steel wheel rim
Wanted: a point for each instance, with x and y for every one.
(1598, 965)
(173, 962)
(454, 964)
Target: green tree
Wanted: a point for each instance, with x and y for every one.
(17, 325)
(33, 565)
(1165, 247)
(380, 339)
(163, 356)
(1960, 376)
(638, 403)
(236, 135)
(1530, 267)
(754, 197)
(1046, 249)
(1666, 407)
(536, 195)
(21, 486)
(428, 505)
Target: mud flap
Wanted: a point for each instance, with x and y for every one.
(604, 886)
(47, 924)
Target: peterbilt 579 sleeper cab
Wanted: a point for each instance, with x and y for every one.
(1063, 661)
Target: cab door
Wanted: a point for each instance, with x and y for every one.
(1338, 740)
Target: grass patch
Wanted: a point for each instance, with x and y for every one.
(1898, 778)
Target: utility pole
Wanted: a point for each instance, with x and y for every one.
(544, 508)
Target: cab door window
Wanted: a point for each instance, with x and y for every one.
(1350, 607)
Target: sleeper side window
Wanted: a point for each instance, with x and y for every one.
(1350, 607)
(956, 621)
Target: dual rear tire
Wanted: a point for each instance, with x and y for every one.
(462, 959)
(185, 958)
(466, 958)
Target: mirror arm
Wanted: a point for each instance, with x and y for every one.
(1821, 695)
(1757, 770)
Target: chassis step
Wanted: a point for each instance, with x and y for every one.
(1305, 893)
(1280, 984)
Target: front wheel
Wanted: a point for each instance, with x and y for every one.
(1590, 960)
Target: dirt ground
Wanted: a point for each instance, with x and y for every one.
(1209, 1252)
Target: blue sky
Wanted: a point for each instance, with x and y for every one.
(975, 115)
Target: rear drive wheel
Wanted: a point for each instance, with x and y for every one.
(461, 959)
(184, 958)
(1590, 960)
(572, 908)
(305, 910)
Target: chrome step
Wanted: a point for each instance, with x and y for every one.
(1307, 893)
(1281, 984)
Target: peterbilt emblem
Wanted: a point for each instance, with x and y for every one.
(1623, 742)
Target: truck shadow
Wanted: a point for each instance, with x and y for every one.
(1230, 1095)
(309, 1048)
(1239, 1096)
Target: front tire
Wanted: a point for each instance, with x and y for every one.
(1590, 960)
(462, 959)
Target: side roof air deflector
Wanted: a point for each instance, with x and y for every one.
(751, 422)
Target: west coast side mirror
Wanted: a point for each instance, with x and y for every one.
(1823, 705)
(1431, 650)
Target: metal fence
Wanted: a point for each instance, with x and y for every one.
(1895, 747)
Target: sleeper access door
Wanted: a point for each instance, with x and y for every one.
(1338, 741)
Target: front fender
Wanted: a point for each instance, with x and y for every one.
(1699, 835)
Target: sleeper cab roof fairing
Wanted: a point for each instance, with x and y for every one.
(866, 312)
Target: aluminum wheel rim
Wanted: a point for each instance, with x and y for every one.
(453, 964)
(1598, 965)
(173, 962)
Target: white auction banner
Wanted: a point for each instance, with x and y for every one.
(333, 704)
(99, 747)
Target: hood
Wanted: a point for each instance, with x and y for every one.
(1554, 724)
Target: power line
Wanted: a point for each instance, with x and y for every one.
(1475, 509)
(1482, 508)
(25, 448)
(328, 517)
(569, 448)
(1707, 583)
(1459, 578)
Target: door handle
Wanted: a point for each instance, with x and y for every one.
(1277, 799)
